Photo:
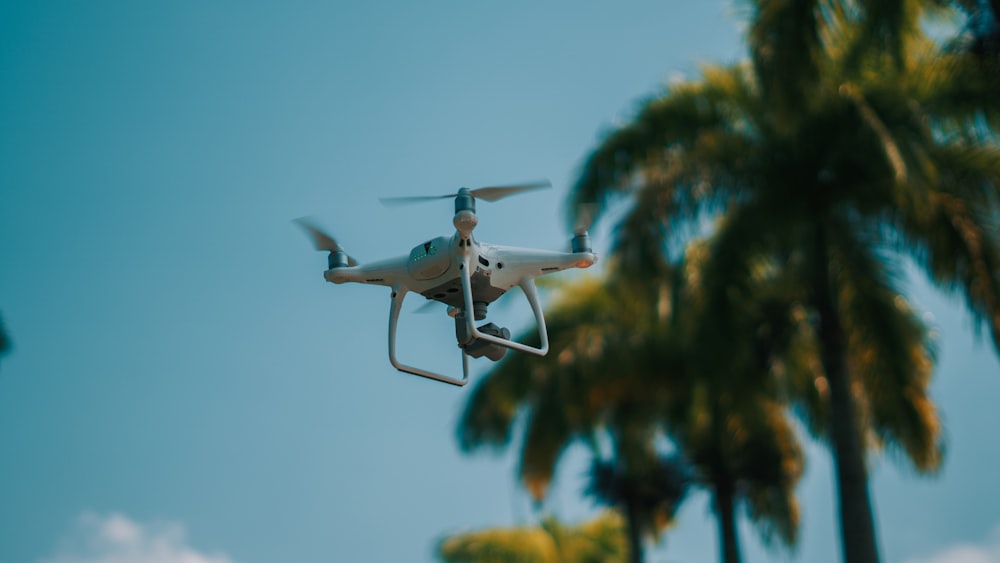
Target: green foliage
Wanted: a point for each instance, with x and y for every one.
(653, 491)
(631, 359)
(888, 154)
(730, 421)
(601, 540)
(847, 140)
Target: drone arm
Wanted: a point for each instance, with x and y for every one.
(520, 263)
(398, 294)
(527, 284)
(387, 273)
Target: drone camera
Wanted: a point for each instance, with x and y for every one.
(476, 347)
(479, 348)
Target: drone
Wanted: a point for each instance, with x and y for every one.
(463, 273)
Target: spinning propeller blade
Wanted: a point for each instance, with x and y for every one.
(585, 213)
(489, 193)
(406, 200)
(494, 193)
(429, 307)
(321, 240)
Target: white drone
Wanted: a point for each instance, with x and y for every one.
(463, 273)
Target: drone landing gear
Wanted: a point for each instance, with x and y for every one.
(397, 304)
(488, 340)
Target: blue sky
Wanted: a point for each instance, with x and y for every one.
(185, 384)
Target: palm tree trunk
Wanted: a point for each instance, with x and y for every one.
(857, 524)
(634, 531)
(725, 512)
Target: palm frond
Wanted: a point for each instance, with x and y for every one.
(733, 310)
(702, 117)
(547, 433)
(784, 38)
(957, 241)
(653, 491)
(770, 464)
(493, 405)
(889, 353)
(957, 92)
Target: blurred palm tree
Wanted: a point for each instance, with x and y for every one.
(601, 540)
(848, 139)
(618, 376)
(728, 418)
(647, 496)
(982, 37)
(569, 395)
(646, 488)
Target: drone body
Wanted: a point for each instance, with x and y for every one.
(463, 273)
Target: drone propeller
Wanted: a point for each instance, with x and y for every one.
(585, 214)
(429, 307)
(323, 241)
(489, 193)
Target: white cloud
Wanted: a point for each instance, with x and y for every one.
(115, 538)
(986, 552)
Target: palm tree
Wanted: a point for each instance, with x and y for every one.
(730, 422)
(745, 454)
(600, 540)
(847, 140)
(573, 394)
(647, 489)
(619, 368)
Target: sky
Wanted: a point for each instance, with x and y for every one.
(185, 387)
